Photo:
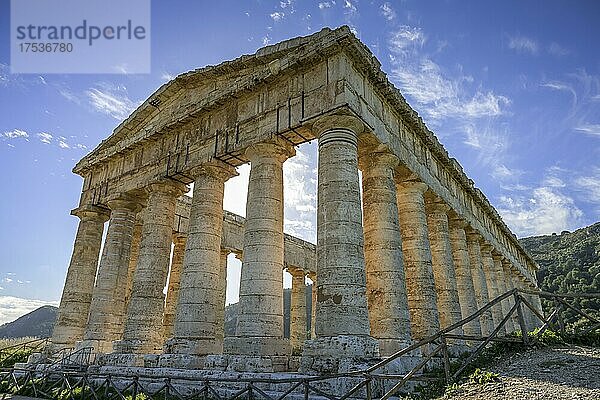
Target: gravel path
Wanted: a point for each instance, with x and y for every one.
(571, 373)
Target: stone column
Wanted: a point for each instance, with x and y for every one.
(506, 266)
(195, 331)
(479, 282)
(464, 278)
(179, 241)
(502, 288)
(220, 314)
(342, 320)
(75, 302)
(259, 328)
(491, 282)
(136, 239)
(422, 299)
(107, 309)
(297, 310)
(143, 333)
(386, 282)
(313, 311)
(444, 273)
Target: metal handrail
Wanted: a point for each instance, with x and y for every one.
(46, 383)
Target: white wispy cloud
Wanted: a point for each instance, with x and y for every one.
(588, 186)
(350, 7)
(406, 38)
(589, 129)
(326, 4)
(16, 134)
(12, 308)
(45, 137)
(387, 11)
(523, 44)
(544, 211)
(111, 100)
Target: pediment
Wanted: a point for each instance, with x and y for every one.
(183, 96)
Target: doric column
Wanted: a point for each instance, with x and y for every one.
(508, 279)
(259, 328)
(464, 277)
(179, 241)
(491, 282)
(220, 315)
(386, 282)
(195, 330)
(143, 331)
(443, 264)
(422, 299)
(342, 320)
(313, 311)
(502, 288)
(107, 309)
(136, 239)
(74, 307)
(297, 310)
(479, 282)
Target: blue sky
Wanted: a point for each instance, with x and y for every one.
(511, 88)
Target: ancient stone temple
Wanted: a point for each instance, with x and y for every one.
(417, 249)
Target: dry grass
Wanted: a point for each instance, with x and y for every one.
(15, 341)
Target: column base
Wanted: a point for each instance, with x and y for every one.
(99, 346)
(388, 347)
(248, 363)
(200, 346)
(134, 346)
(257, 346)
(336, 354)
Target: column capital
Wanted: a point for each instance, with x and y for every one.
(276, 148)
(295, 271)
(378, 161)
(125, 202)
(217, 168)
(486, 248)
(179, 236)
(416, 187)
(329, 123)
(91, 212)
(473, 235)
(436, 206)
(168, 186)
(457, 222)
(496, 255)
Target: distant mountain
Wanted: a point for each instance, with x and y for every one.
(38, 323)
(569, 262)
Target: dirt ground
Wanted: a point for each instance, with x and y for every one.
(570, 373)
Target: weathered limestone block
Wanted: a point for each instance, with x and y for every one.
(107, 309)
(386, 282)
(491, 281)
(75, 302)
(443, 265)
(297, 310)
(143, 333)
(422, 298)
(195, 330)
(342, 311)
(479, 281)
(502, 288)
(179, 242)
(464, 278)
(261, 285)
